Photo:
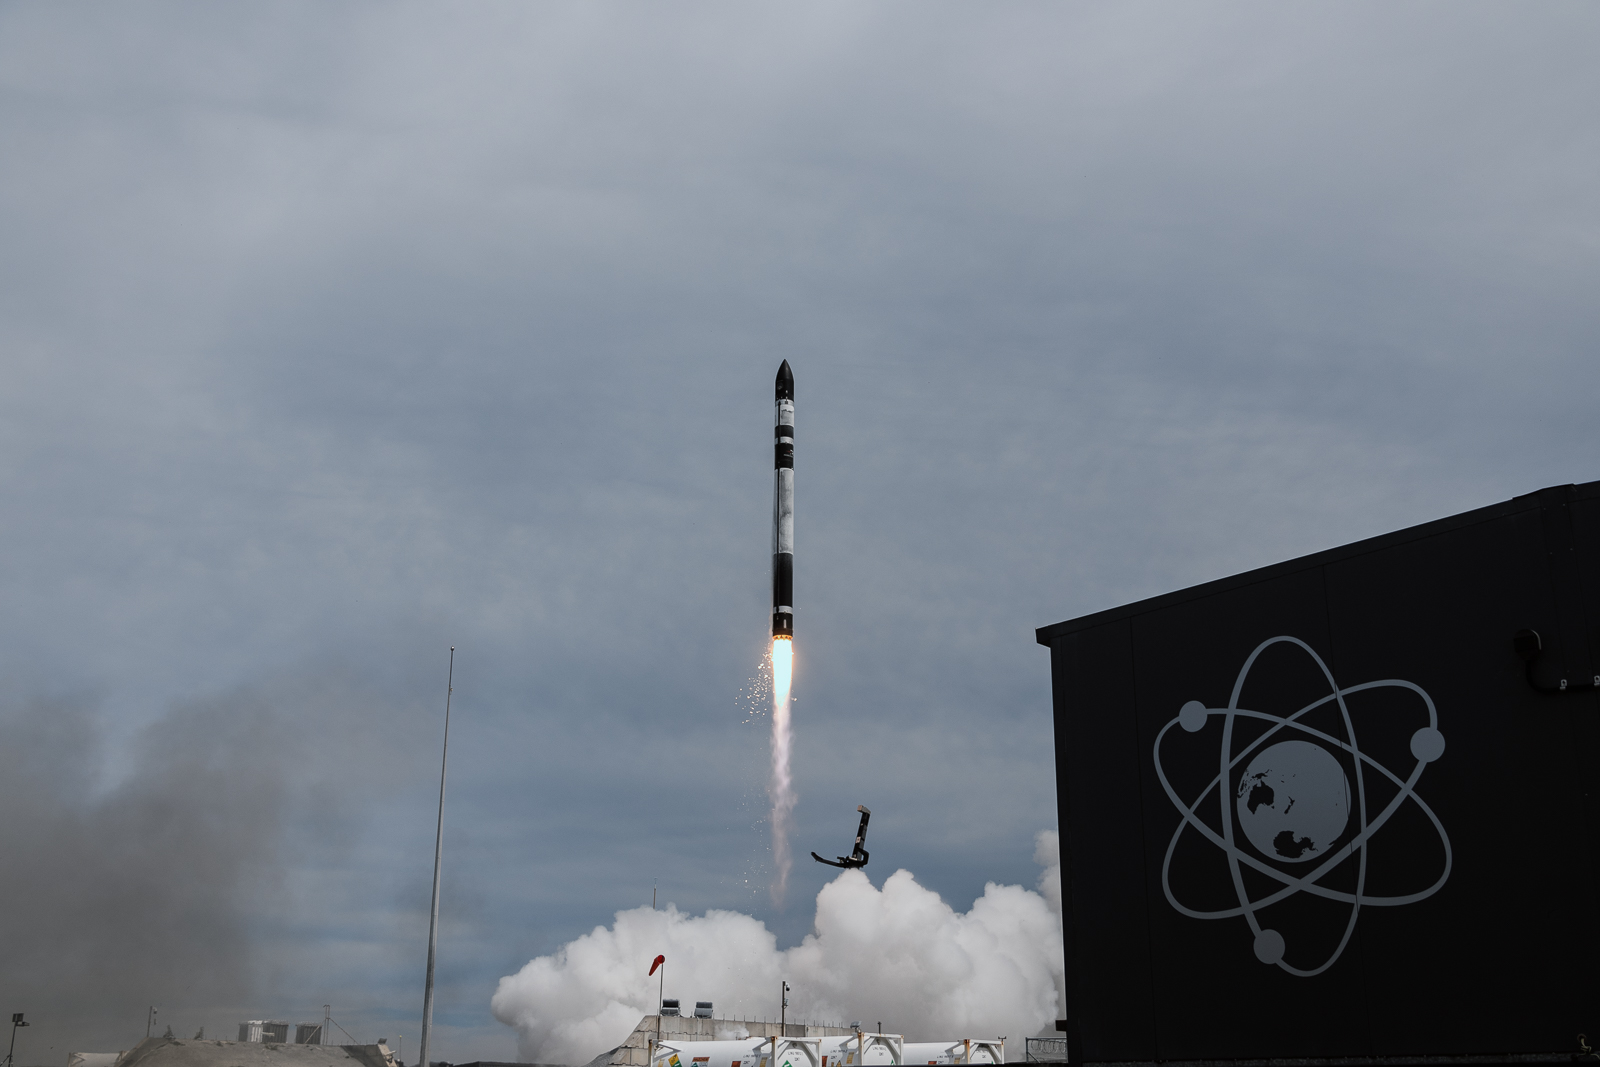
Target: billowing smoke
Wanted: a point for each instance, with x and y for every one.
(118, 898)
(899, 955)
(142, 872)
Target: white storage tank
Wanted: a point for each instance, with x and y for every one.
(749, 1052)
(672, 1053)
(854, 1050)
(851, 1050)
(967, 1050)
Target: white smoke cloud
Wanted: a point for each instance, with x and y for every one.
(900, 955)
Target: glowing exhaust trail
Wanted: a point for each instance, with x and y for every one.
(781, 788)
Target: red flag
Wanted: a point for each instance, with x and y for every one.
(659, 961)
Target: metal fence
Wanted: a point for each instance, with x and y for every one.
(1045, 1049)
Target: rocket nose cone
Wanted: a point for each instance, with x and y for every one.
(785, 389)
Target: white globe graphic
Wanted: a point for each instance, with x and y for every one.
(1293, 804)
(1294, 801)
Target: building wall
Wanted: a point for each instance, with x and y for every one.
(1443, 784)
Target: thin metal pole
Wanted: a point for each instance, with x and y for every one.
(438, 853)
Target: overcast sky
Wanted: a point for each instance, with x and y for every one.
(333, 335)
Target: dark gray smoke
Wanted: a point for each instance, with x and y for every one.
(146, 872)
(140, 894)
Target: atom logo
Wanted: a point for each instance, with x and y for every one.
(1293, 805)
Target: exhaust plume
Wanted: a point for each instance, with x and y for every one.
(781, 788)
(899, 954)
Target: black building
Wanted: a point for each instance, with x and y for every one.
(1341, 807)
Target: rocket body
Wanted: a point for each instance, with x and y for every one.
(783, 506)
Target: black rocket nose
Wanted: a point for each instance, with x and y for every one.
(785, 382)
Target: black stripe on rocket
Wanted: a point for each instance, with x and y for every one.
(783, 506)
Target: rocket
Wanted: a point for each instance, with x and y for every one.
(783, 506)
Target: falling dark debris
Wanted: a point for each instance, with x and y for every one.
(858, 855)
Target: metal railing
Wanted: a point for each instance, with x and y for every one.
(1045, 1049)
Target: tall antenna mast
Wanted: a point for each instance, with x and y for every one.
(438, 852)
